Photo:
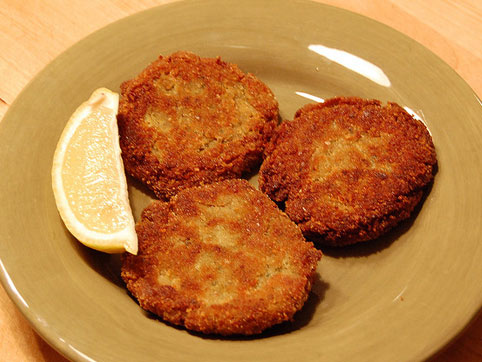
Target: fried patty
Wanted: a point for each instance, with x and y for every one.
(220, 258)
(186, 121)
(348, 169)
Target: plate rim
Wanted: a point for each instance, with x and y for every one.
(5, 277)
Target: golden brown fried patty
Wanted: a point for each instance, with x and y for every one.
(186, 121)
(220, 258)
(348, 169)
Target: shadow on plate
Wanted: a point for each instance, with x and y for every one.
(139, 196)
(107, 265)
(379, 244)
(141, 187)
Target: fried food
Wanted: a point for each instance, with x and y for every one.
(220, 258)
(186, 121)
(348, 169)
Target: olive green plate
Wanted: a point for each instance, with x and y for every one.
(402, 297)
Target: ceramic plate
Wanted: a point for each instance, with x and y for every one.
(401, 297)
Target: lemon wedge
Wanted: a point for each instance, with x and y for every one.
(88, 178)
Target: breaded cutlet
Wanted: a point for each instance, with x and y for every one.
(348, 169)
(186, 121)
(222, 259)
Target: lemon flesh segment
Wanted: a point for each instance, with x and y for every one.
(88, 177)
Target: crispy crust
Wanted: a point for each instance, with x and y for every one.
(348, 169)
(220, 258)
(186, 121)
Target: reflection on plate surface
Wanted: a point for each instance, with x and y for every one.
(311, 97)
(353, 62)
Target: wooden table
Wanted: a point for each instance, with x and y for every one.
(32, 33)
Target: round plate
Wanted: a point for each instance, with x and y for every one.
(403, 296)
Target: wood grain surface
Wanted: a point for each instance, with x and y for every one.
(34, 32)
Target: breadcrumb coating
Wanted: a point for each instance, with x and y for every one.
(186, 121)
(348, 169)
(220, 258)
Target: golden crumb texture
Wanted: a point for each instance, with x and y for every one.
(222, 259)
(186, 121)
(348, 169)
